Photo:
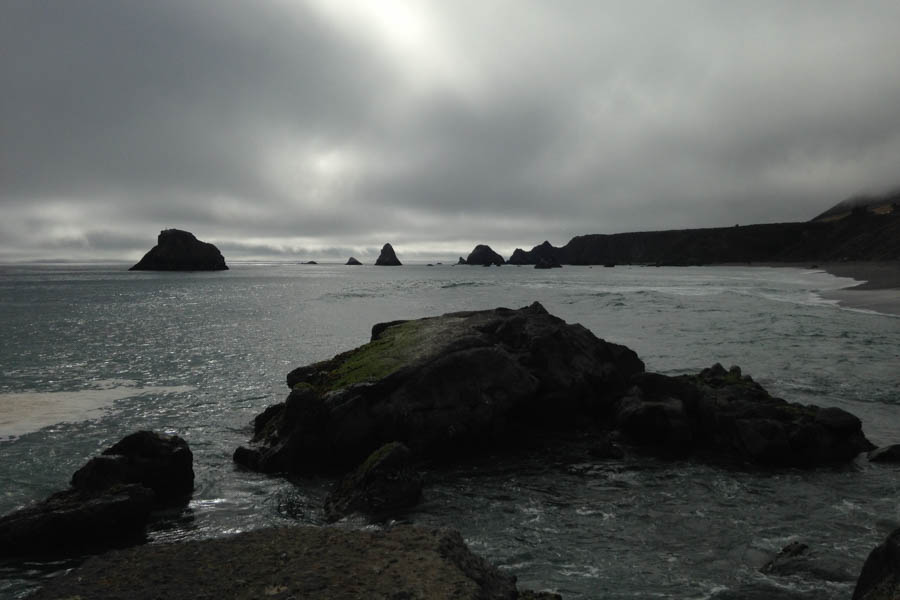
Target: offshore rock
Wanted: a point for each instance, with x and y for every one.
(442, 386)
(403, 562)
(461, 261)
(352, 261)
(384, 484)
(545, 251)
(880, 575)
(731, 415)
(109, 503)
(178, 250)
(388, 258)
(547, 263)
(484, 255)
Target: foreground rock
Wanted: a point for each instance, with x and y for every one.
(880, 575)
(442, 386)
(353, 262)
(384, 484)
(388, 258)
(109, 503)
(730, 415)
(484, 256)
(293, 562)
(178, 250)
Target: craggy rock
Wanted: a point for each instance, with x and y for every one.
(442, 386)
(403, 562)
(543, 252)
(388, 258)
(732, 415)
(880, 575)
(483, 255)
(163, 463)
(352, 261)
(461, 261)
(547, 263)
(886, 454)
(77, 521)
(384, 484)
(109, 503)
(178, 250)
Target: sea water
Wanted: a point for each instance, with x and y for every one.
(92, 353)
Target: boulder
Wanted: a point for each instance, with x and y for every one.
(729, 414)
(178, 250)
(403, 562)
(442, 386)
(880, 575)
(160, 462)
(109, 503)
(484, 255)
(886, 454)
(387, 258)
(384, 484)
(352, 261)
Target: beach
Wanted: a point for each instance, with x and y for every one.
(879, 290)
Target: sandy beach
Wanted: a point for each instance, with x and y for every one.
(879, 290)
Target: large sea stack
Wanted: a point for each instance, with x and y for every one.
(178, 250)
(483, 255)
(388, 258)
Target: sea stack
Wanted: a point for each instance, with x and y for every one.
(388, 258)
(352, 261)
(484, 255)
(178, 250)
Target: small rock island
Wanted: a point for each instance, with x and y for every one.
(485, 256)
(178, 250)
(388, 258)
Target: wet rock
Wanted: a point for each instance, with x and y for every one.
(484, 255)
(384, 484)
(402, 562)
(178, 250)
(443, 386)
(388, 258)
(880, 575)
(110, 500)
(352, 261)
(886, 454)
(798, 559)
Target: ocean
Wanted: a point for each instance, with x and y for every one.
(91, 353)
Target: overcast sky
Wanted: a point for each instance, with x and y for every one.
(322, 128)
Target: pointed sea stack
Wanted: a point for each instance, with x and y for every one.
(352, 261)
(178, 250)
(484, 255)
(387, 258)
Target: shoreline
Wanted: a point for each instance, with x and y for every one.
(878, 292)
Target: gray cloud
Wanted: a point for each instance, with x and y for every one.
(322, 128)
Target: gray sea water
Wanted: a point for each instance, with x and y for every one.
(91, 353)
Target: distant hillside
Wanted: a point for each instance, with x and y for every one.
(859, 235)
(880, 205)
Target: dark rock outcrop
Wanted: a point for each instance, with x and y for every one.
(384, 484)
(483, 255)
(731, 415)
(388, 258)
(461, 261)
(885, 454)
(442, 386)
(403, 562)
(352, 261)
(109, 503)
(545, 251)
(178, 250)
(880, 575)
(547, 263)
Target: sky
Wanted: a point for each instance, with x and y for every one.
(320, 129)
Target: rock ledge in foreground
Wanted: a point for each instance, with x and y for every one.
(293, 562)
(178, 250)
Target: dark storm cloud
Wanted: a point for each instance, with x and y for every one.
(324, 128)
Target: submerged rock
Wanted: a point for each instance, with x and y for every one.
(178, 250)
(109, 503)
(385, 483)
(880, 575)
(484, 255)
(798, 559)
(442, 386)
(403, 562)
(388, 258)
(352, 261)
